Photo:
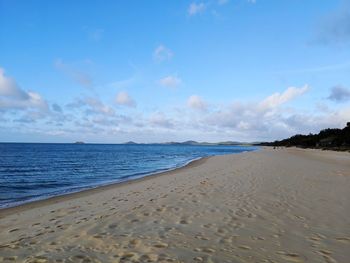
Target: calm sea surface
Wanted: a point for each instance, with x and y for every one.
(37, 171)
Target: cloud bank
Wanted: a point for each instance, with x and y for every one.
(90, 118)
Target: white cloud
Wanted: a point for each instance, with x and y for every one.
(123, 98)
(267, 119)
(97, 106)
(170, 81)
(31, 117)
(195, 8)
(159, 119)
(270, 120)
(162, 53)
(92, 106)
(196, 102)
(88, 117)
(277, 99)
(9, 88)
(13, 97)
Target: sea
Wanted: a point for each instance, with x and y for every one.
(36, 171)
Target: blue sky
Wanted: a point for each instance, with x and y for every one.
(154, 71)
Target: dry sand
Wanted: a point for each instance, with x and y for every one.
(285, 205)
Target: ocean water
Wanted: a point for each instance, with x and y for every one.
(36, 171)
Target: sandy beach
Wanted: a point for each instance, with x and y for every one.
(283, 205)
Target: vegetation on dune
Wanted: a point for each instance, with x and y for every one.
(334, 139)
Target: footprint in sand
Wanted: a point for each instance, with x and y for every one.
(98, 236)
(343, 239)
(161, 245)
(221, 230)
(314, 238)
(257, 238)
(10, 259)
(329, 259)
(184, 221)
(299, 217)
(149, 258)
(245, 247)
(325, 252)
(291, 257)
(208, 225)
(176, 209)
(112, 226)
(225, 241)
(38, 259)
(135, 242)
(128, 256)
(208, 250)
(160, 209)
(202, 238)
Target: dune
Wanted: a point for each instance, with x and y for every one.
(283, 205)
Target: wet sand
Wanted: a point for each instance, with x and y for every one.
(284, 205)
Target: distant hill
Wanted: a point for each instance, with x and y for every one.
(228, 143)
(130, 142)
(332, 139)
(195, 143)
(205, 143)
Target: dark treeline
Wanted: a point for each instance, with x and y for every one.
(334, 139)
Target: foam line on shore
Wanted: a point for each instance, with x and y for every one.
(32, 203)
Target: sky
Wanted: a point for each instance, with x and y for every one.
(158, 71)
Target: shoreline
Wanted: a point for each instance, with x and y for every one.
(84, 192)
(283, 205)
(129, 178)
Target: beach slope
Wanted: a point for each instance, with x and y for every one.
(284, 205)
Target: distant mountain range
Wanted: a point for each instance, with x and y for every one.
(197, 143)
(205, 143)
(329, 139)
